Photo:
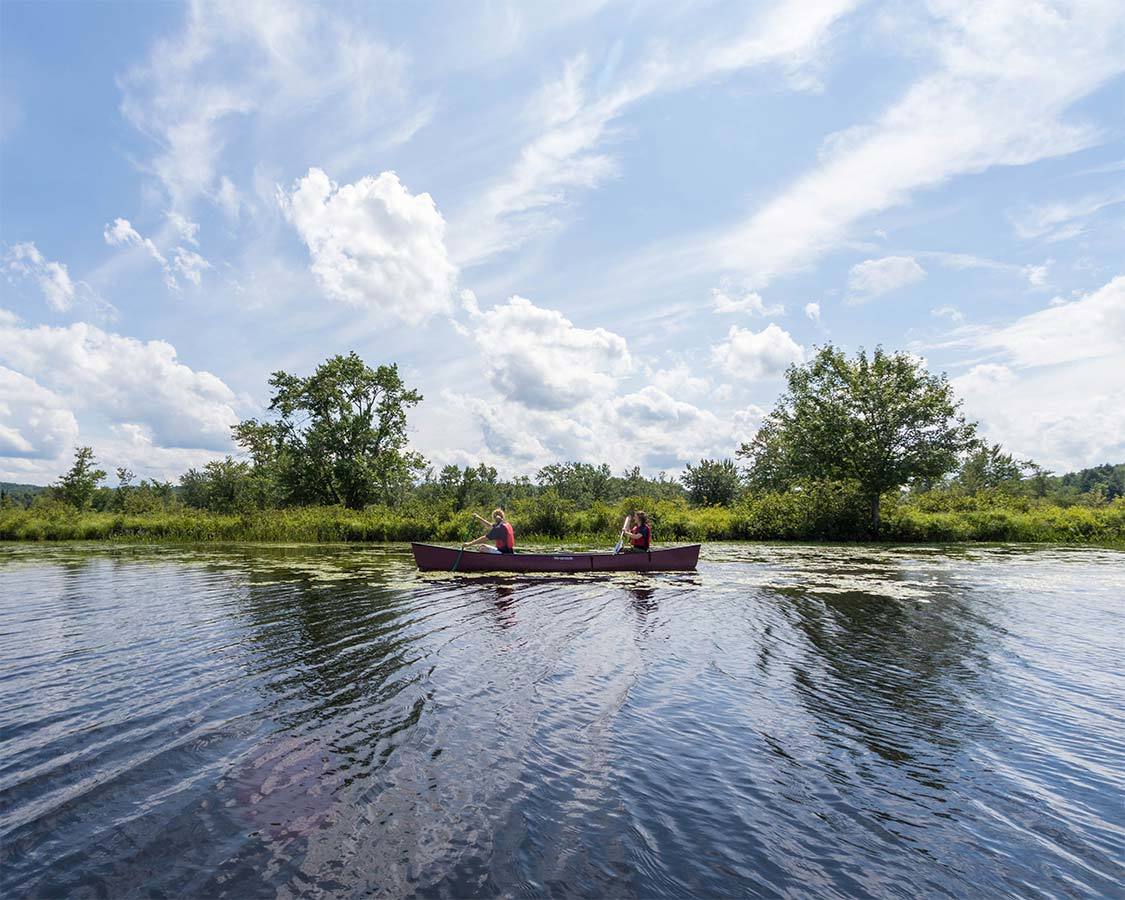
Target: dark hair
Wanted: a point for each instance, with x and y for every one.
(643, 517)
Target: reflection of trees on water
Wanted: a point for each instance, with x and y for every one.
(896, 673)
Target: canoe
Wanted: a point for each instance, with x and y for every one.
(431, 558)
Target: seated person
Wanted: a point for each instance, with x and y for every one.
(640, 534)
(499, 531)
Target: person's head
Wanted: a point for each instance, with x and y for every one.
(641, 517)
(498, 515)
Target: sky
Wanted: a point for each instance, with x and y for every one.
(595, 231)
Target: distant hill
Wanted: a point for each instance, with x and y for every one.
(22, 494)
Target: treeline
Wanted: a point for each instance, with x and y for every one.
(859, 448)
(825, 511)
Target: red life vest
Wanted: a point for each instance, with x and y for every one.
(642, 536)
(508, 541)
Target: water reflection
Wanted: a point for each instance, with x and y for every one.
(263, 721)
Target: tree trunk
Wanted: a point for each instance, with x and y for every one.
(875, 516)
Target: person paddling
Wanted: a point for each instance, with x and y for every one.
(499, 530)
(639, 534)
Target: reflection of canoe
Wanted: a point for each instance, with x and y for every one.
(432, 558)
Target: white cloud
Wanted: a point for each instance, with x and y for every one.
(187, 262)
(750, 302)
(1048, 413)
(1036, 275)
(874, 277)
(123, 379)
(1057, 395)
(564, 156)
(539, 358)
(950, 312)
(52, 277)
(812, 310)
(190, 264)
(373, 244)
(750, 355)
(269, 68)
(680, 379)
(1090, 327)
(122, 233)
(1008, 72)
(1063, 220)
(35, 423)
(188, 231)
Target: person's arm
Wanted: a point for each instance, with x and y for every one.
(475, 541)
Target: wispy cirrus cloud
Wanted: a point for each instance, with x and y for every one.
(1007, 73)
(574, 120)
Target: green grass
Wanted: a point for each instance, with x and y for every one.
(817, 514)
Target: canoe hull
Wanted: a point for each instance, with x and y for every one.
(431, 558)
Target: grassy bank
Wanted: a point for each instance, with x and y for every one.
(824, 515)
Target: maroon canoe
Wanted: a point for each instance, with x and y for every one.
(431, 558)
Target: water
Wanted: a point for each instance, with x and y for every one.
(787, 721)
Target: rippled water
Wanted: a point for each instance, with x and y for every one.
(789, 720)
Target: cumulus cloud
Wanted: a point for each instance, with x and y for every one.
(748, 354)
(121, 378)
(35, 423)
(1055, 394)
(1089, 327)
(812, 310)
(373, 244)
(750, 302)
(1046, 413)
(541, 359)
(874, 277)
(52, 277)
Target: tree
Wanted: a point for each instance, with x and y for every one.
(989, 467)
(340, 434)
(224, 485)
(881, 421)
(714, 482)
(76, 487)
(581, 483)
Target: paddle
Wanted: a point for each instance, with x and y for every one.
(621, 537)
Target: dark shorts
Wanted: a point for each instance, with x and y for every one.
(505, 549)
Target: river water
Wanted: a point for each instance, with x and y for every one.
(789, 720)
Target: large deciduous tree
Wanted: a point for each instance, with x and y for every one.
(339, 436)
(77, 485)
(881, 421)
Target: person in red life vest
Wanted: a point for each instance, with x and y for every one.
(499, 530)
(640, 534)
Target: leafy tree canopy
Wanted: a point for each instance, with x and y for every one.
(714, 482)
(340, 434)
(881, 421)
(77, 485)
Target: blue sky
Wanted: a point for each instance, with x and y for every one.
(595, 231)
